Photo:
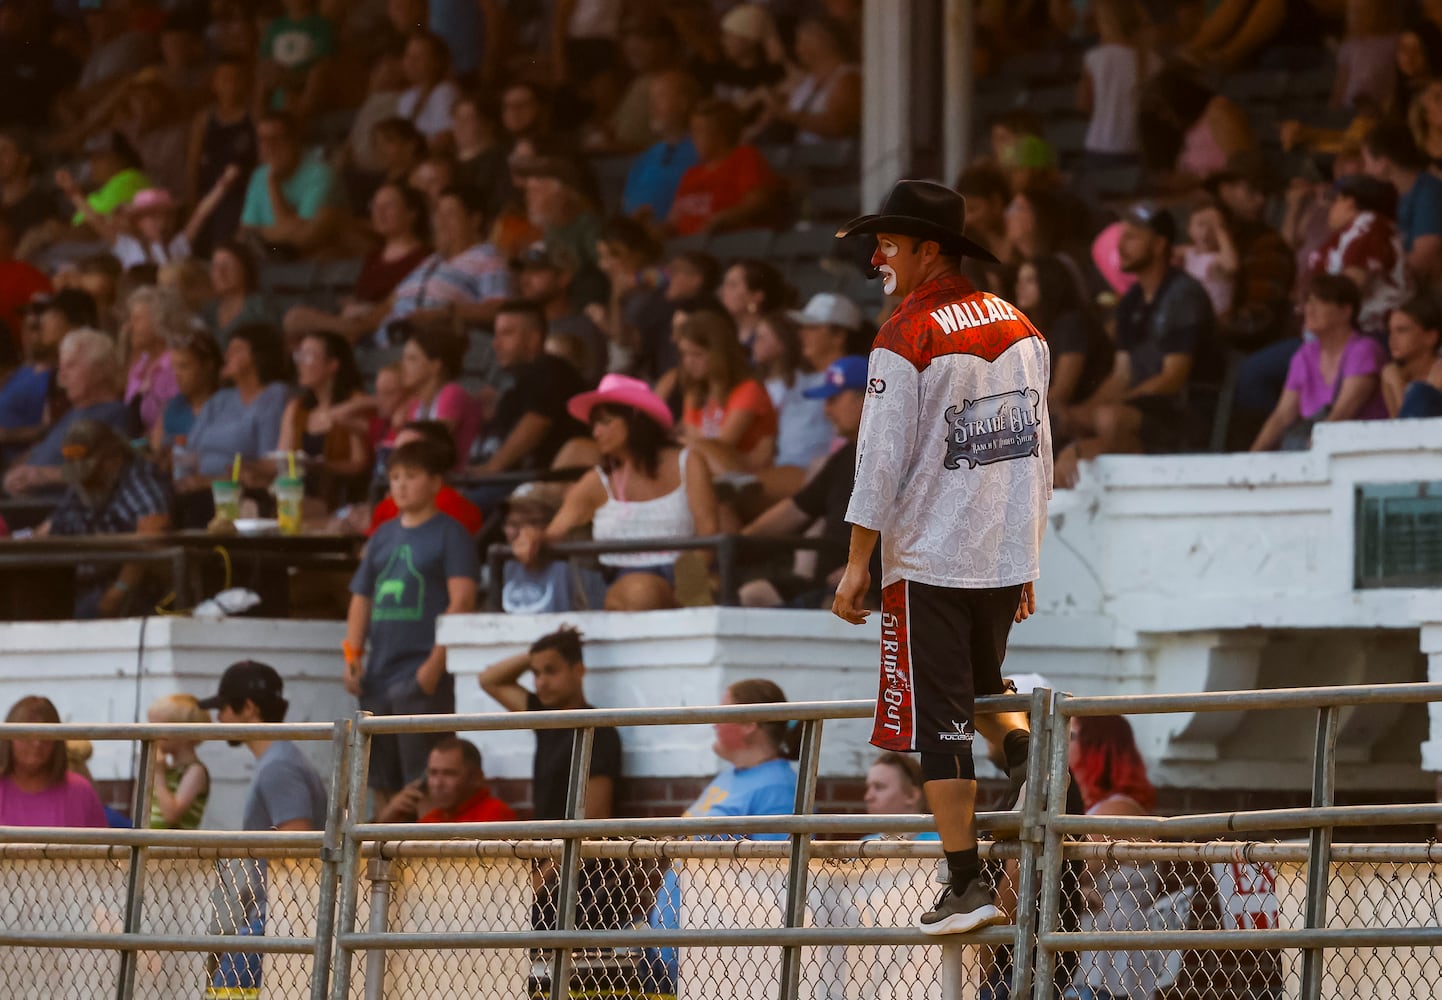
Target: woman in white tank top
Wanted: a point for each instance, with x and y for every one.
(645, 487)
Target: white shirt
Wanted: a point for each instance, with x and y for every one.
(1113, 72)
(954, 464)
(131, 252)
(433, 117)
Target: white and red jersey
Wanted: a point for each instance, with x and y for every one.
(954, 463)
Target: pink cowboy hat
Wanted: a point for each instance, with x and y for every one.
(622, 390)
(1107, 258)
(151, 199)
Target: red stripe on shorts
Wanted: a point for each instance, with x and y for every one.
(894, 725)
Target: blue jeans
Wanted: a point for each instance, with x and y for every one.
(1422, 399)
(1263, 375)
(240, 970)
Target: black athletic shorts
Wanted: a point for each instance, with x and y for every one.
(941, 648)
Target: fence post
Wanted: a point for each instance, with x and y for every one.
(1051, 855)
(726, 551)
(331, 853)
(350, 856)
(496, 557)
(568, 883)
(1023, 952)
(798, 874)
(135, 879)
(1319, 847)
(380, 875)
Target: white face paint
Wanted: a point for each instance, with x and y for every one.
(888, 276)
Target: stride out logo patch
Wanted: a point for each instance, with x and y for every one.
(993, 429)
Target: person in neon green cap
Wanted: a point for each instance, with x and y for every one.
(115, 169)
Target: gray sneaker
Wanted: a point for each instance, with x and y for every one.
(957, 912)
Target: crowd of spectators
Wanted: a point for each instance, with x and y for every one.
(238, 236)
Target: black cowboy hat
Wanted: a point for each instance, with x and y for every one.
(926, 210)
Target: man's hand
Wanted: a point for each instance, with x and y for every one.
(405, 805)
(111, 602)
(527, 546)
(1026, 607)
(849, 604)
(426, 683)
(353, 679)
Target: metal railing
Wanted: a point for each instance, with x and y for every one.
(807, 882)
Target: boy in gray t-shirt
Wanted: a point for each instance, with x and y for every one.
(418, 566)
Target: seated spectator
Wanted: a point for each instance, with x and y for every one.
(513, 231)
(19, 282)
(749, 289)
(157, 320)
(1366, 247)
(1210, 256)
(385, 82)
(1367, 56)
(525, 111)
(390, 400)
(190, 279)
(98, 276)
(464, 282)
(893, 788)
(324, 422)
(826, 329)
(235, 300)
(150, 237)
(731, 187)
(195, 363)
(1038, 224)
(116, 176)
(293, 56)
(292, 200)
(531, 422)
(26, 388)
(1418, 62)
(776, 355)
(480, 154)
(751, 61)
(825, 103)
(650, 48)
(1412, 383)
(656, 173)
(637, 317)
(545, 278)
(430, 367)
(36, 787)
(243, 419)
(645, 487)
(222, 143)
(822, 499)
(1266, 268)
(448, 501)
(431, 94)
(24, 203)
(1424, 118)
(1334, 376)
(549, 585)
(181, 780)
(1114, 72)
(109, 491)
(400, 148)
(416, 567)
(758, 780)
(150, 114)
(1390, 154)
(558, 204)
(1187, 129)
(453, 790)
(92, 377)
(1081, 354)
(727, 415)
(399, 217)
(1165, 330)
(118, 47)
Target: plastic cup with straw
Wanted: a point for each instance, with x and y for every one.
(289, 493)
(226, 493)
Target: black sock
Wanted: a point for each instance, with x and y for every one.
(962, 867)
(1016, 747)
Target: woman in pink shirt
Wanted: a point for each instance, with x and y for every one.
(430, 364)
(36, 785)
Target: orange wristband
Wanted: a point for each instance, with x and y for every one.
(352, 655)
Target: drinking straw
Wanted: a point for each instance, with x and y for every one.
(235, 469)
(290, 458)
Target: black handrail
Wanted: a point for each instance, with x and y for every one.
(728, 549)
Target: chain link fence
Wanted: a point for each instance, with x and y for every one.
(1127, 908)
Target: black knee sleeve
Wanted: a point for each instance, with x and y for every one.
(947, 766)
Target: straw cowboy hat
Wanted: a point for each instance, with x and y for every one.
(926, 210)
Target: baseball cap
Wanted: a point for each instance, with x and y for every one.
(828, 309)
(540, 496)
(847, 373)
(542, 257)
(1151, 216)
(246, 680)
(748, 21)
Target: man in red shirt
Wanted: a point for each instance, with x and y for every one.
(19, 283)
(454, 787)
(732, 186)
(448, 500)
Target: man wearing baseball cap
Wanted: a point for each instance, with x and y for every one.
(1166, 333)
(953, 476)
(803, 436)
(842, 392)
(286, 793)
